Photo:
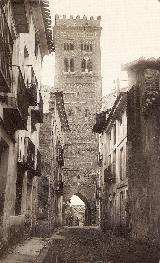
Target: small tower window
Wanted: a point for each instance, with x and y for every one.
(91, 47)
(66, 65)
(72, 65)
(87, 47)
(65, 46)
(83, 65)
(89, 66)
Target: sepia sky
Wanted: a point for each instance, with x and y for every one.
(131, 29)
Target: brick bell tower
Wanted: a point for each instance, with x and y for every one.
(78, 74)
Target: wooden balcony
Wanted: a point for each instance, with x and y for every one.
(20, 16)
(16, 109)
(6, 47)
(26, 153)
(37, 112)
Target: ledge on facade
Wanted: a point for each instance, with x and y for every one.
(20, 16)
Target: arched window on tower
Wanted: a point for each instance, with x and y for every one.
(89, 66)
(87, 47)
(83, 65)
(65, 46)
(91, 47)
(72, 65)
(66, 65)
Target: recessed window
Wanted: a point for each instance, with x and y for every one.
(83, 65)
(86, 47)
(72, 65)
(89, 65)
(86, 112)
(68, 46)
(66, 65)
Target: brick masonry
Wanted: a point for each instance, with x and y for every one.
(82, 93)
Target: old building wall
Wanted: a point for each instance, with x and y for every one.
(82, 93)
(143, 150)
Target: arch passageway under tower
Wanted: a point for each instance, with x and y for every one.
(78, 211)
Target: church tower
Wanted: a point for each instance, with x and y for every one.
(78, 75)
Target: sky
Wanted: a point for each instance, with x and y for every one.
(75, 200)
(130, 29)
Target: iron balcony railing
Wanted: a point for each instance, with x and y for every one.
(6, 48)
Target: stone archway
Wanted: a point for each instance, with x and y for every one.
(87, 209)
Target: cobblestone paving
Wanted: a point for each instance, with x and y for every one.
(90, 245)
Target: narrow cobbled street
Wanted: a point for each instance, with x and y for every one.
(90, 245)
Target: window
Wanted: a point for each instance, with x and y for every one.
(83, 65)
(68, 46)
(114, 134)
(86, 47)
(72, 65)
(66, 65)
(86, 112)
(114, 163)
(121, 163)
(121, 206)
(89, 66)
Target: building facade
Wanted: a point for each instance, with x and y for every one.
(51, 213)
(78, 74)
(112, 186)
(143, 148)
(25, 39)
